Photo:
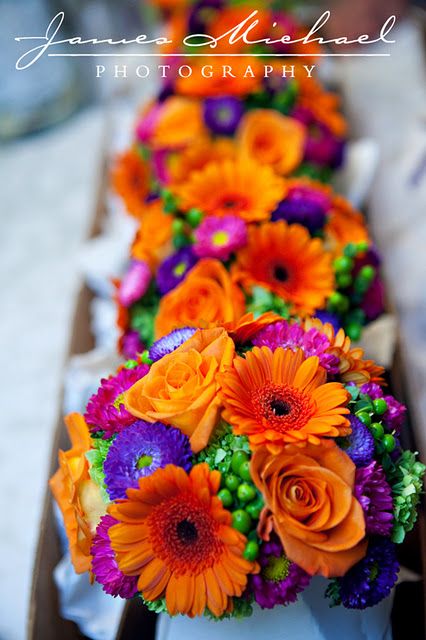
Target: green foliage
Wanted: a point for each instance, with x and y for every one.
(143, 313)
(406, 480)
(242, 609)
(96, 457)
(262, 300)
(218, 454)
(333, 592)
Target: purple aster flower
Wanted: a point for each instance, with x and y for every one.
(105, 410)
(322, 146)
(135, 283)
(370, 580)
(200, 14)
(104, 564)
(174, 269)
(326, 316)
(312, 342)
(375, 496)
(223, 114)
(131, 344)
(394, 417)
(373, 302)
(279, 581)
(219, 237)
(140, 450)
(170, 342)
(359, 445)
(305, 205)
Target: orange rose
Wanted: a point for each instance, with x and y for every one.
(309, 494)
(344, 225)
(153, 241)
(181, 389)
(272, 139)
(179, 122)
(78, 497)
(206, 297)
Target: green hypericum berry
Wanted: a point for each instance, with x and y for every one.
(389, 442)
(241, 521)
(226, 497)
(251, 551)
(180, 241)
(253, 510)
(343, 264)
(178, 226)
(338, 302)
(343, 280)
(232, 482)
(364, 417)
(353, 330)
(380, 406)
(244, 471)
(377, 430)
(350, 250)
(238, 457)
(194, 217)
(246, 492)
(132, 364)
(362, 247)
(367, 273)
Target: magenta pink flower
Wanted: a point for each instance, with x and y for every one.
(219, 237)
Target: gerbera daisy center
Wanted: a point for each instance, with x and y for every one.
(282, 407)
(187, 531)
(280, 273)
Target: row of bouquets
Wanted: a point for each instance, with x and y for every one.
(245, 444)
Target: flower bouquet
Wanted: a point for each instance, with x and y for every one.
(236, 238)
(226, 468)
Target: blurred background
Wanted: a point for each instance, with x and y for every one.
(56, 125)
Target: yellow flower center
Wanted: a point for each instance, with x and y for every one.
(220, 238)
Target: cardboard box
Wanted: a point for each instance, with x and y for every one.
(45, 622)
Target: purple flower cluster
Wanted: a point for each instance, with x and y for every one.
(304, 205)
(322, 146)
(170, 342)
(105, 410)
(360, 447)
(393, 418)
(174, 269)
(131, 344)
(375, 496)
(104, 564)
(312, 342)
(140, 450)
(222, 114)
(370, 580)
(279, 581)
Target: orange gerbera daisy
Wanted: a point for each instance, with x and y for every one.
(272, 139)
(78, 497)
(240, 187)
(352, 367)
(275, 397)
(198, 155)
(131, 179)
(153, 241)
(174, 534)
(206, 298)
(286, 260)
(344, 225)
